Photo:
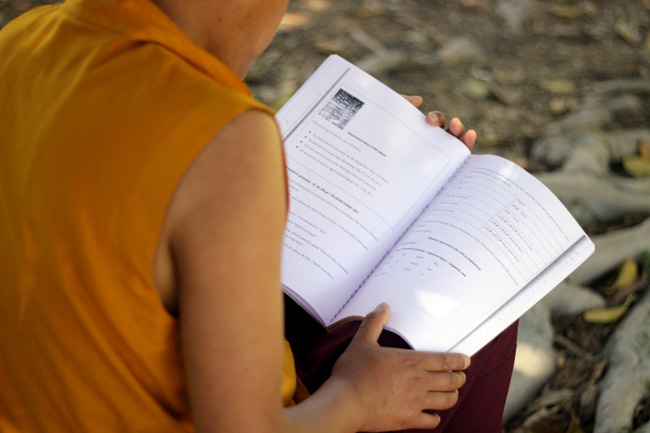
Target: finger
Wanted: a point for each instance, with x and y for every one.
(437, 118)
(447, 381)
(415, 100)
(456, 127)
(441, 400)
(470, 139)
(373, 324)
(446, 362)
(425, 420)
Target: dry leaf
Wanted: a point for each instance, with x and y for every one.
(559, 86)
(331, 46)
(628, 272)
(608, 315)
(636, 166)
(574, 427)
(474, 89)
(568, 12)
(293, 20)
(627, 31)
(574, 11)
(644, 148)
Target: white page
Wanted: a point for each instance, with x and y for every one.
(489, 233)
(358, 176)
(525, 298)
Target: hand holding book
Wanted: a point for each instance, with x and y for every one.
(456, 127)
(417, 382)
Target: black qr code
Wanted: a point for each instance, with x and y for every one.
(341, 109)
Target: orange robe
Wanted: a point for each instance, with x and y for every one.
(103, 106)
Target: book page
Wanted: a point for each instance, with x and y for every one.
(362, 164)
(532, 293)
(489, 233)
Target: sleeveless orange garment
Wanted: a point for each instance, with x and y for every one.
(103, 106)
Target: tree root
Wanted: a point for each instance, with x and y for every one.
(627, 380)
(582, 155)
(535, 359)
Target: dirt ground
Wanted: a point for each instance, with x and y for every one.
(506, 67)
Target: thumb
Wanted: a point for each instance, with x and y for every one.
(373, 324)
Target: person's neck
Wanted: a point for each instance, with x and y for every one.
(213, 28)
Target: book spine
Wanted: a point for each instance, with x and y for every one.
(453, 176)
(442, 188)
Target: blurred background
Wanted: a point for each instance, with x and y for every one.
(525, 74)
(506, 67)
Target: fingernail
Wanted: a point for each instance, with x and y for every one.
(467, 361)
(381, 307)
(454, 128)
(436, 117)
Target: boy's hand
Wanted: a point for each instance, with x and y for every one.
(397, 389)
(456, 128)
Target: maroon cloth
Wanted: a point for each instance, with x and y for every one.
(480, 400)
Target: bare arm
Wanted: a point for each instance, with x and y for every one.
(226, 222)
(224, 229)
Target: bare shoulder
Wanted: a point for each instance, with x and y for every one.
(245, 150)
(241, 166)
(236, 178)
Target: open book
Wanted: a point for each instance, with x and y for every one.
(385, 207)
